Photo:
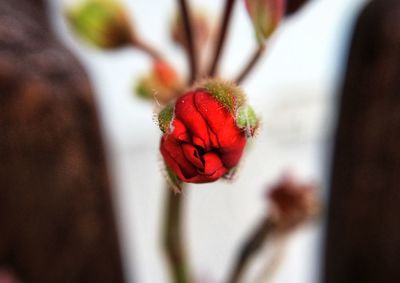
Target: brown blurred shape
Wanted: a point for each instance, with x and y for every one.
(56, 218)
(363, 235)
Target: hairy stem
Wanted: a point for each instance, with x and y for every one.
(250, 248)
(173, 241)
(191, 48)
(251, 63)
(221, 37)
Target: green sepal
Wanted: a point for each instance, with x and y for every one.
(247, 120)
(165, 117)
(175, 182)
(231, 174)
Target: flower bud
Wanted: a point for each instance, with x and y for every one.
(162, 83)
(293, 203)
(201, 140)
(201, 27)
(265, 15)
(103, 23)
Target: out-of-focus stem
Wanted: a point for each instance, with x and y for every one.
(221, 37)
(146, 48)
(173, 241)
(173, 230)
(190, 39)
(272, 266)
(250, 248)
(251, 63)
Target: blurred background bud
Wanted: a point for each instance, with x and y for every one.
(201, 26)
(102, 23)
(161, 84)
(292, 6)
(265, 16)
(293, 203)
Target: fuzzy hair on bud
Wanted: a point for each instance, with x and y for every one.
(165, 117)
(227, 93)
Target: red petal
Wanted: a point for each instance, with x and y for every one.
(212, 164)
(175, 159)
(179, 131)
(186, 111)
(221, 122)
(192, 154)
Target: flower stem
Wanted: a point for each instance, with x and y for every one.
(191, 48)
(251, 64)
(146, 48)
(221, 37)
(273, 264)
(173, 242)
(250, 248)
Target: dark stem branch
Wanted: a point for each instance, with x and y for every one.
(251, 64)
(190, 39)
(221, 37)
(250, 248)
(174, 245)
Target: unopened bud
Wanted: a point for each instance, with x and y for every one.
(293, 203)
(161, 84)
(103, 23)
(201, 28)
(265, 15)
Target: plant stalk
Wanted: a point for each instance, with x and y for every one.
(229, 4)
(251, 63)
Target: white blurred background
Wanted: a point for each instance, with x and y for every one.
(294, 89)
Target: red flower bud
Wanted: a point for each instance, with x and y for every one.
(265, 15)
(202, 141)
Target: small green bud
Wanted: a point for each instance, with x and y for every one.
(143, 88)
(265, 15)
(102, 23)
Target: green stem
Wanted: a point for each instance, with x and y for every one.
(250, 247)
(190, 39)
(251, 64)
(173, 241)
